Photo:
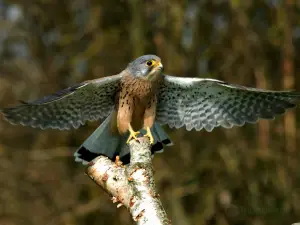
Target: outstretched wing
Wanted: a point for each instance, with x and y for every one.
(68, 108)
(208, 103)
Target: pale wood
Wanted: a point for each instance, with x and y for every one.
(133, 185)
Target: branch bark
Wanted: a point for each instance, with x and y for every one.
(132, 186)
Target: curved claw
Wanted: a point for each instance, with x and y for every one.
(149, 135)
(132, 134)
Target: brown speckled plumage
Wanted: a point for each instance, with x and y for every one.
(136, 103)
(141, 96)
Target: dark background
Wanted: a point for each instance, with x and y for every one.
(247, 175)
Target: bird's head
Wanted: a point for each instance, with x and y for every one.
(146, 67)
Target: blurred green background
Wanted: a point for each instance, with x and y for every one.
(248, 175)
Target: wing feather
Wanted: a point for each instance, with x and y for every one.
(208, 103)
(68, 108)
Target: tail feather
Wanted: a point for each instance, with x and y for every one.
(163, 137)
(100, 142)
(103, 142)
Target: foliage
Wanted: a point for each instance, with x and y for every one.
(246, 175)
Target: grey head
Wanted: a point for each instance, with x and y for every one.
(145, 66)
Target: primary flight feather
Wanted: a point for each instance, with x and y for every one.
(141, 99)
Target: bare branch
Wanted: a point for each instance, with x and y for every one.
(133, 185)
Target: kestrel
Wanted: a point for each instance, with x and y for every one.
(141, 99)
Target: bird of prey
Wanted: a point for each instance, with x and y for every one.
(141, 99)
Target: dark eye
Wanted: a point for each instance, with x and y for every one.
(149, 63)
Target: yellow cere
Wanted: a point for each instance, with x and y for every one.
(153, 63)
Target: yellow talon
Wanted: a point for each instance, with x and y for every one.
(133, 134)
(149, 135)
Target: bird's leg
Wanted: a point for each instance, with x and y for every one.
(132, 134)
(149, 117)
(149, 135)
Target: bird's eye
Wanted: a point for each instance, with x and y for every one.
(149, 63)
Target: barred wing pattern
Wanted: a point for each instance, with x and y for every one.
(68, 108)
(208, 103)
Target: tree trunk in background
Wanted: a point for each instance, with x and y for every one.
(136, 31)
(46, 46)
(288, 73)
(263, 126)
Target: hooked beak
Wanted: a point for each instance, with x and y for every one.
(155, 72)
(158, 66)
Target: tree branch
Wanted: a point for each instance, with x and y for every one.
(132, 186)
